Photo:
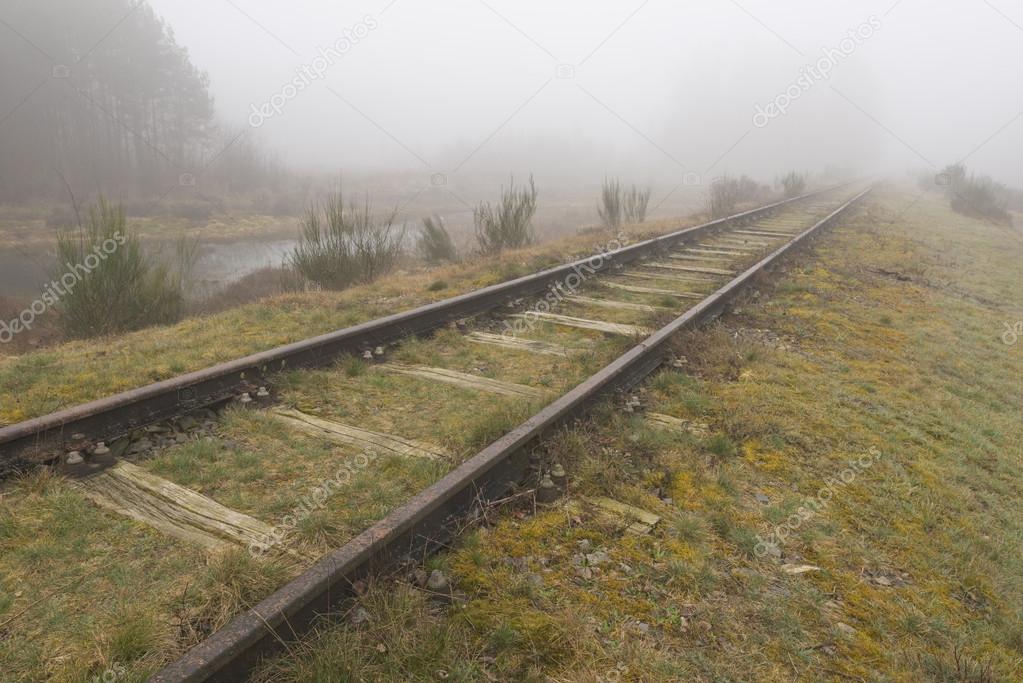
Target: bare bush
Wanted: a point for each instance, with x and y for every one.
(610, 208)
(793, 184)
(728, 193)
(619, 205)
(509, 224)
(435, 244)
(636, 203)
(341, 245)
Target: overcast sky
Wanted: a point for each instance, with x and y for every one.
(647, 89)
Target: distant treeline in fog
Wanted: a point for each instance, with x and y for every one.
(100, 93)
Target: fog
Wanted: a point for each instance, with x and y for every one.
(223, 120)
(651, 90)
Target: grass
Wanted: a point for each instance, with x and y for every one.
(913, 368)
(69, 588)
(43, 381)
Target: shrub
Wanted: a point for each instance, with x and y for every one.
(610, 208)
(125, 289)
(636, 203)
(341, 245)
(508, 226)
(727, 193)
(435, 243)
(793, 184)
(618, 205)
(973, 195)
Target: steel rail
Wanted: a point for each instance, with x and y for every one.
(423, 522)
(40, 439)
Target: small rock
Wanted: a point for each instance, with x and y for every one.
(882, 580)
(359, 616)
(367, 355)
(546, 492)
(262, 392)
(584, 545)
(420, 577)
(101, 449)
(845, 629)
(245, 398)
(75, 458)
(643, 627)
(378, 351)
(761, 498)
(437, 582)
(558, 475)
(120, 447)
(598, 558)
(381, 648)
(187, 423)
(584, 573)
(140, 447)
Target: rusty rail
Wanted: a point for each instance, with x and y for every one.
(424, 521)
(40, 439)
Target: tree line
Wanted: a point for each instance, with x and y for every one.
(100, 94)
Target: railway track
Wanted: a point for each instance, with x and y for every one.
(436, 423)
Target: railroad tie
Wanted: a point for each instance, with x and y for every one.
(730, 250)
(719, 252)
(691, 269)
(675, 424)
(669, 277)
(635, 289)
(508, 341)
(637, 520)
(617, 305)
(765, 233)
(697, 257)
(464, 380)
(356, 436)
(586, 324)
(172, 509)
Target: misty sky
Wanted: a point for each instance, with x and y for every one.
(648, 90)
